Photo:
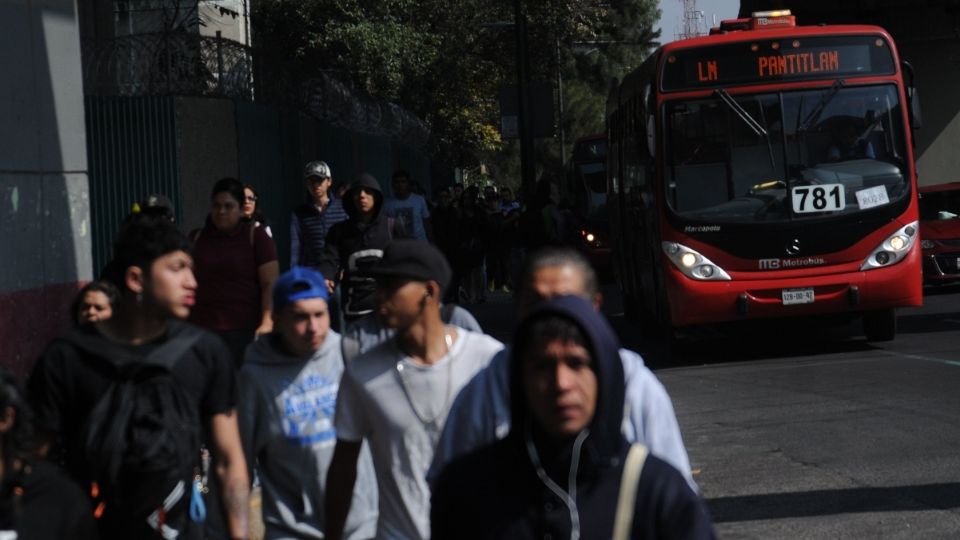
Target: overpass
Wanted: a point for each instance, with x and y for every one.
(927, 33)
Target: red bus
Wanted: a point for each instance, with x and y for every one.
(583, 190)
(766, 170)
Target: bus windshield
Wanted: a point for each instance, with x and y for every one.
(785, 156)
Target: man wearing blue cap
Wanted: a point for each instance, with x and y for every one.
(289, 385)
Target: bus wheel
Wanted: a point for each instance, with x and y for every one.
(880, 325)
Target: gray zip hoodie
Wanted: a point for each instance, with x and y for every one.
(286, 411)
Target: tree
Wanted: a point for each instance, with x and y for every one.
(443, 60)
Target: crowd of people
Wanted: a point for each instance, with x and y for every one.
(352, 389)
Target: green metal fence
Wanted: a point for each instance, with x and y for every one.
(132, 152)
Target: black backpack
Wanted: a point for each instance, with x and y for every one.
(142, 438)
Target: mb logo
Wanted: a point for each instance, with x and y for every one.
(769, 264)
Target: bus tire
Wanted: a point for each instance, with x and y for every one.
(880, 325)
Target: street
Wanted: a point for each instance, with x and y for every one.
(796, 431)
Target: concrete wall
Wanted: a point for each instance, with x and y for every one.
(207, 136)
(932, 46)
(44, 200)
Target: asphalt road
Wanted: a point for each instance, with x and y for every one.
(807, 431)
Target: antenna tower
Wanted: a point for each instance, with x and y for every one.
(694, 21)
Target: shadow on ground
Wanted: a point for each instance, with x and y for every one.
(839, 501)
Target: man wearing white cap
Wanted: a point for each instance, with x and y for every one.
(311, 221)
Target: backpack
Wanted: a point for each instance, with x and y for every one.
(142, 439)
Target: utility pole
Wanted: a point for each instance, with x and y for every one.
(527, 170)
(563, 138)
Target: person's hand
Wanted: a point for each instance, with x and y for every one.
(330, 285)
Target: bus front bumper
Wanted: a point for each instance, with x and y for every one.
(703, 302)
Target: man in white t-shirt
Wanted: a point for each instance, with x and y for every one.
(397, 395)
(409, 211)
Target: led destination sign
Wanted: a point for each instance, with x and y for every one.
(780, 61)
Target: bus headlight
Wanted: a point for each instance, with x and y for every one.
(893, 249)
(692, 264)
(592, 239)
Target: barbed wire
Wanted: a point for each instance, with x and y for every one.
(167, 63)
(329, 99)
(182, 63)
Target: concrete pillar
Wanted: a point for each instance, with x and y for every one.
(44, 199)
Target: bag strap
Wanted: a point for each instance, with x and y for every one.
(626, 501)
(166, 355)
(174, 347)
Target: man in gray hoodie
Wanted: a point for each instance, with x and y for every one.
(288, 392)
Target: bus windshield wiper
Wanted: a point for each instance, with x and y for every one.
(750, 121)
(824, 101)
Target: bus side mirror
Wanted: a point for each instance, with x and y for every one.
(913, 97)
(916, 119)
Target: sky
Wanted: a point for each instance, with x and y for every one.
(671, 20)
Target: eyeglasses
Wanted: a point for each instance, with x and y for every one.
(250, 198)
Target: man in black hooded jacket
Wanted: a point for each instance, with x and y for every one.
(559, 472)
(355, 245)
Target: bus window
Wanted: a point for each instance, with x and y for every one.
(722, 168)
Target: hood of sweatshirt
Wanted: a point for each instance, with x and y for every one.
(367, 181)
(605, 440)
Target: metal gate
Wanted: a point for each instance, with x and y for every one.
(132, 152)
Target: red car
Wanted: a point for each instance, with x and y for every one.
(940, 233)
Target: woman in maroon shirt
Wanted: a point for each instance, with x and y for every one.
(236, 265)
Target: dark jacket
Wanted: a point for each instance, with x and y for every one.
(313, 226)
(497, 491)
(352, 246)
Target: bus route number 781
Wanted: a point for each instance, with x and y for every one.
(819, 198)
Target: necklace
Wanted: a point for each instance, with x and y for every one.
(434, 421)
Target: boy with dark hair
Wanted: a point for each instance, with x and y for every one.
(408, 209)
(289, 386)
(565, 470)
(354, 245)
(481, 412)
(96, 392)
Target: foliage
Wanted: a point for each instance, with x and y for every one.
(446, 60)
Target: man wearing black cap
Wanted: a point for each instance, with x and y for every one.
(397, 395)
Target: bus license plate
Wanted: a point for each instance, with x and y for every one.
(797, 296)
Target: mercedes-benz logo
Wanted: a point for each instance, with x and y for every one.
(793, 247)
